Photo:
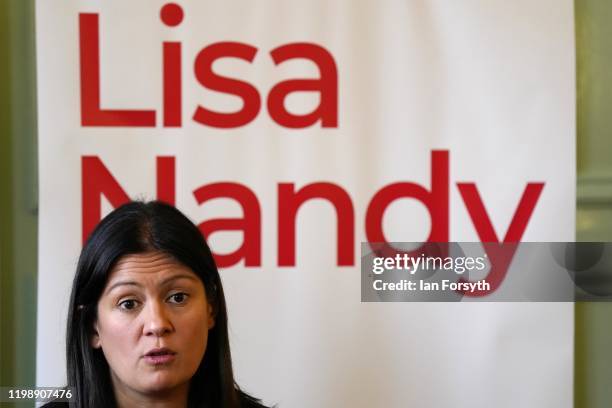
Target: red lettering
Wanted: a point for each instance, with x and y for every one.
(205, 75)
(436, 201)
(250, 224)
(289, 201)
(172, 84)
(326, 85)
(166, 186)
(97, 181)
(91, 113)
(500, 255)
(171, 15)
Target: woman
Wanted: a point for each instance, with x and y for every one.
(147, 323)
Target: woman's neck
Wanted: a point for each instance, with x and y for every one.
(174, 398)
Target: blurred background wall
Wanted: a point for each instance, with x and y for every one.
(593, 337)
(18, 187)
(18, 193)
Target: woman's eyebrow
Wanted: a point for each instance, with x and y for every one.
(176, 277)
(163, 283)
(122, 283)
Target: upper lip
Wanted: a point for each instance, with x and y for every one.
(159, 351)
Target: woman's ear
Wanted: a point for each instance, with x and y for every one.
(211, 316)
(94, 340)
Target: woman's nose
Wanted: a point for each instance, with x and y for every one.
(157, 321)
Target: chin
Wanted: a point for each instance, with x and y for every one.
(161, 382)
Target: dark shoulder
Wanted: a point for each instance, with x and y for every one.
(246, 401)
(55, 404)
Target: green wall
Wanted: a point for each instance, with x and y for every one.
(18, 201)
(593, 346)
(18, 193)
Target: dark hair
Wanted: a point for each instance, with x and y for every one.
(134, 228)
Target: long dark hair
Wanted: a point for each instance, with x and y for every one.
(134, 228)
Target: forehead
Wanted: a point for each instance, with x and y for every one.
(148, 266)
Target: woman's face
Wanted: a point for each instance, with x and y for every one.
(152, 324)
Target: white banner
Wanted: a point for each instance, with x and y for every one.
(319, 125)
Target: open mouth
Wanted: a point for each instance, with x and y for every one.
(159, 356)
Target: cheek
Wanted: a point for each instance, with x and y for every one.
(119, 338)
(194, 332)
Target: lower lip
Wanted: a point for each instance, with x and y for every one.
(160, 359)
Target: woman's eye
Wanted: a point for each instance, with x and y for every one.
(178, 298)
(128, 304)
